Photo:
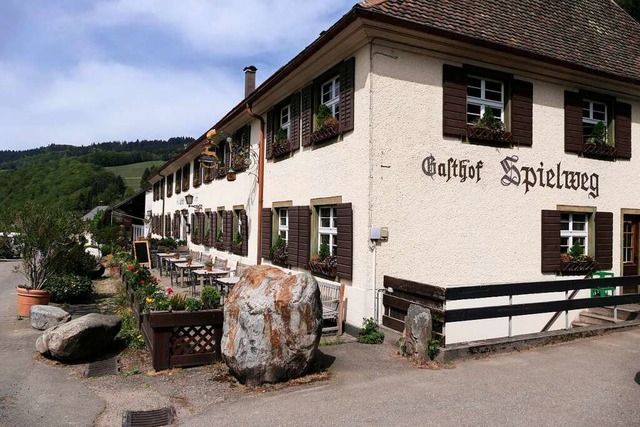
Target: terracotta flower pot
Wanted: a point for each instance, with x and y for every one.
(29, 297)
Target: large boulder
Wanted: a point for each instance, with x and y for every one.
(272, 325)
(417, 331)
(82, 337)
(47, 316)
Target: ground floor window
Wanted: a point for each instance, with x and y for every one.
(574, 231)
(327, 230)
(283, 224)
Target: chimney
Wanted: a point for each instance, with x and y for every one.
(249, 79)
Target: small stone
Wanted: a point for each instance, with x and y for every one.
(417, 332)
(272, 325)
(46, 316)
(80, 338)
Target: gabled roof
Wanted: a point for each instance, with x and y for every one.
(590, 35)
(94, 211)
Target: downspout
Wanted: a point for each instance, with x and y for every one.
(260, 179)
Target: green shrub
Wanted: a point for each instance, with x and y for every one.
(129, 332)
(75, 260)
(369, 334)
(70, 288)
(192, 304)
(210, 297)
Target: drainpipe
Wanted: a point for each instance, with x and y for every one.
(260, 178)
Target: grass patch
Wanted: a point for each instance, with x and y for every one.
(132, 173)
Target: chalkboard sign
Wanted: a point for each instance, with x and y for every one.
(141, 252)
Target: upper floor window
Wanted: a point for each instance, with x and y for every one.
(285, 120)
(330, 96)
(594, 121)
(484, 95)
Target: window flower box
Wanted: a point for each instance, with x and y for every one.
(577, 265)
(236, 248)
(327, 267)
(489, 135)
(600, 150)
(281, 147)
(219, 245)
(279, 254)
(327, 131)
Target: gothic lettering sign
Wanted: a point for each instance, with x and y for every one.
(528, 177)
(452, 168)
(554, 177)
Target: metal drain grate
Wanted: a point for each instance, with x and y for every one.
(153, 418)
(102, 368)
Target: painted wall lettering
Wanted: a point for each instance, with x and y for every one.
(452, 168)
(552, 177)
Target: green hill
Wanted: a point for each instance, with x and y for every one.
(132, 173)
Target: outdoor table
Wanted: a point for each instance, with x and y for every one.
(182, 266)
(200, 274)
(171, 262)
(161, 257)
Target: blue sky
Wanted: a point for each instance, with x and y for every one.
(80, 71)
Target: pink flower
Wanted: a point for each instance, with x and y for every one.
(169, 290)
(142, 282)
(130, 268)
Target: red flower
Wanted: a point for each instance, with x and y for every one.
(131, 267)
(169, 290)
(142, 282)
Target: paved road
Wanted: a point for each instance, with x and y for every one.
(593, 382)
(32, 393)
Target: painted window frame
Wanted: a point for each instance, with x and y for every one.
(331, 231)
(285, 125)
(333, 102)
(283, 213)
(482, 101)
(571, 234)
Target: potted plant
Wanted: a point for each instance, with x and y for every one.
(189, 260)
(219, 241)
(280, 143)
(279, 252)
(488, 128)
(575, 262)
(236, 245)
(43, 235)
(209, 265)
(597, 143)
(324, 263)
(326, 126)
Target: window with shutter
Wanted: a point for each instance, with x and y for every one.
(186, 170)
(227, 232)
(487, 107)
(597, 126)
(265, 238)
(178, 187)
(170, 185)
(283, 127)
(240, 157)
(327, 104)
(197, 173)
(576, 242)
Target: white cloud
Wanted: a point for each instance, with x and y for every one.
(98, 102)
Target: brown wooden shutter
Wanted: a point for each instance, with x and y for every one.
(227, 232)
(176, 225)
(201, 219)
(454, 87)
(622, 139)
(604, 240)
(304, 236)
(306, 115)
(194, 236)
(550, 241)
(522, 112)
(344, 224)
(347, 90)
(573, 142)
(265, 239)
(294, 128)
(270, 133)
(294, 231)
(213, 218)
(244, 230)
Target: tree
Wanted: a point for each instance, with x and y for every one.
(43, 235)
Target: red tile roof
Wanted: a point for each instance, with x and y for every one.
(593, 35)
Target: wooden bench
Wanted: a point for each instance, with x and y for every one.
(332, 296)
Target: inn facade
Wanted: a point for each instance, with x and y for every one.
(375, 148)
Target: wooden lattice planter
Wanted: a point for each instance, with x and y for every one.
(577, 268)
(488, 135)
(600, 150)
(326, 132)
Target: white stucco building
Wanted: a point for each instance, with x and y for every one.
(406, 81)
